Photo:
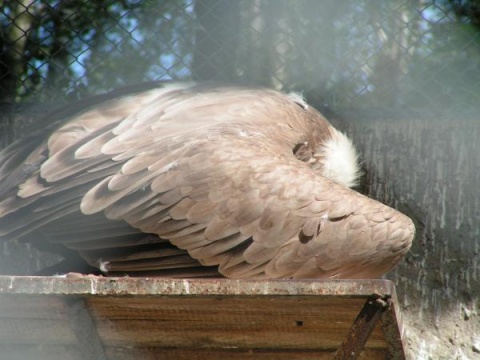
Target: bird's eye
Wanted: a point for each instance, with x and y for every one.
(297, 148)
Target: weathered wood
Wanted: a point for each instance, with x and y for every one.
(40, 352)
(82, 325)
(234, 354)
(184, 319)
(121, 286)
(120, 353)
(35, 331)
(283, 321)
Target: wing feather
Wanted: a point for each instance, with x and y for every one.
(213, 171)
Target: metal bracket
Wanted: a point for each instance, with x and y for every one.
(362, 327)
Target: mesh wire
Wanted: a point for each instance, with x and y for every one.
(351, 54)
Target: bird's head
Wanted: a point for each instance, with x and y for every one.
(337, 159)
(327, 150)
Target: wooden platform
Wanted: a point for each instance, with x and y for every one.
(153, 318)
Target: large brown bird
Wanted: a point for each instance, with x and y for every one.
(190, 180)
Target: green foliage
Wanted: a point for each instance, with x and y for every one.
(79, 46)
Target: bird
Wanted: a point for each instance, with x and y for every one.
(197, 180)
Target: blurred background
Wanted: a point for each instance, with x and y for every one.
(402, 78)
(367, 54)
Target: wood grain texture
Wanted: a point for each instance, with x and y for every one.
(213, 320)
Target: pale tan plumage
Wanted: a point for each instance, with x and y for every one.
(234, 178)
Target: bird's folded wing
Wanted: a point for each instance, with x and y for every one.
(245, 204)
(216, 179)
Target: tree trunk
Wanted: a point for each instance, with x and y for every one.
(12, 65)
(12, 59)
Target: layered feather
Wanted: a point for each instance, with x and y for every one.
(246, 182)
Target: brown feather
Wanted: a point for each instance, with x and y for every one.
(182, 176)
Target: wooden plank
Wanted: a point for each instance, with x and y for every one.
(393, 331)
(84, 329)
(87, 285)
(230, 354)
(148, 333)
(152, 318)
(36, 331)
(32, 307)
(39, 352)
(174, 307)
(255, 322)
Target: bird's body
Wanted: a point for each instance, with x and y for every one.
(199, 179)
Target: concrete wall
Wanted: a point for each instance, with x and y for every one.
(430, 169)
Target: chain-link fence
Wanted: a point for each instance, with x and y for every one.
(412, 60)
(371, 54)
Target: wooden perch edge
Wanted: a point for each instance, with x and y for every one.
(126, 318)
